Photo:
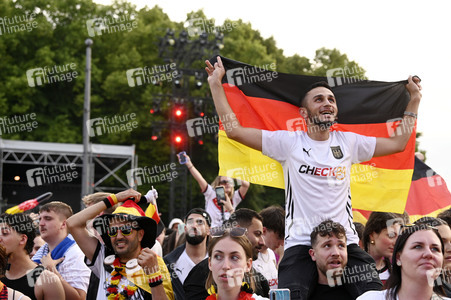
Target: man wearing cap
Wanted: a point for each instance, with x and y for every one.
(184, 258)
(125, 264)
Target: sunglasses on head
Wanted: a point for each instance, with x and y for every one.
(235, 231)
(126, 230)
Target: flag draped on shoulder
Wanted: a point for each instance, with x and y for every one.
(265, 99)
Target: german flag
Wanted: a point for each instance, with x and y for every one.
(428, 195)
(265, 99)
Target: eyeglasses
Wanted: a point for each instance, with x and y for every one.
(235, 231)
(226, 182)
(126, 230)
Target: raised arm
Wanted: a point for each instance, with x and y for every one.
(77, 223)
(250, 137)
(195, 173)
(398, 141)
(244, 187)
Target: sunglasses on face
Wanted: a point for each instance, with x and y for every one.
(125, 230)
(235, 231)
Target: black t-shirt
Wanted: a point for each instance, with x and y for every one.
(325, 292)
(25, 284)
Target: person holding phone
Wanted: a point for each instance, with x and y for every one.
(213, 206)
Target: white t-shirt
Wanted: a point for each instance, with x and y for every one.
(214, 210)
(74, 270)
(317, 179)
(183, 266)
(381, 295)
(266, 264)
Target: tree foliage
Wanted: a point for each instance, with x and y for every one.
(59, 39)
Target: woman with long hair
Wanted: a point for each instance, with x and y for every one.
(379, 238)
(417, 261)
(7, 293)
(218, 208)
(230, 260)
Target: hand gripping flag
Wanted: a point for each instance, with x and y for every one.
(269, 100)
(29, 204)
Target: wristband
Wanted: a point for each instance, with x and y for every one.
(156, 283)
(110, 201)
(411, 114)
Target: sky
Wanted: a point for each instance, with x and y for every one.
(389, 39)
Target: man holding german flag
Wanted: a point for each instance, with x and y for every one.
(316, 166)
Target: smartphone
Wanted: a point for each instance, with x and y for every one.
(220, 194)
(279, 294)
(182, 157)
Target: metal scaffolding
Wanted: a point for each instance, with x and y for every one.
(106, 160)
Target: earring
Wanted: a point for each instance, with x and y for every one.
(398, 263)
(372, 243)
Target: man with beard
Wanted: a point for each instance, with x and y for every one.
(317, 166)
(330, 255)
(184, 258)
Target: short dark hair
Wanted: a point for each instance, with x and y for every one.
(314, 86)
(58, 207)
(329, 228)
(199, 211)
(431, 221)
(243, 217)
(22, 224)
(274, 219)
(359, 227)
(445, 216)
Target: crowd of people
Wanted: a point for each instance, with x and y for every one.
(117, 249)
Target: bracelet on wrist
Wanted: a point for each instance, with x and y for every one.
(110, 201)
(156, 283)
(410, 114)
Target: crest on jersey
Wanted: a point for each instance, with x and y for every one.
(336, 151)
